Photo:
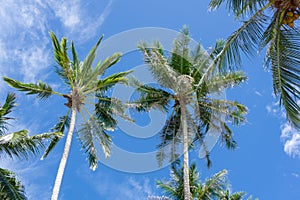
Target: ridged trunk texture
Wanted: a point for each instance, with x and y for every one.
(63, 161)
(186, 178)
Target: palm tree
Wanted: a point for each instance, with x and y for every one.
(215, 187)
(186, 81)
(17, 144)
(82, 80)
(272, 24)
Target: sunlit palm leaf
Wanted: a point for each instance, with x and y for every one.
(21, 145)
(5, 110)
(92, 133)
(112, 80)
(10, 187)
(283, 52)
(42, 90)
(239, 7)
(159, 65)
(60, 127)
(150, 97)
(64, 68)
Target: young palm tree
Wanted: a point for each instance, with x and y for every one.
(215, 187)
(84, 84)
(17, 144)
(187, 81)
(272, 24)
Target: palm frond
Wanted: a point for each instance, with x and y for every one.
(60, 127)
(42, 90)
(283, 56)
(10, 187)
(21, 145)
(159, 66)
(224, 81)
(238, 7)
(64, 68)
(179, 60)
(170, 138)
(150, 97)
(89, 135)
(213, 185)
(112, 80)
(7, 107)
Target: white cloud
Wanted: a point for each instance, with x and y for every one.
(68, 12)
(291, 139)
(90, 29)
(129, 188)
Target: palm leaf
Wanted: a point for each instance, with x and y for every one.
(112, 80)
(150, 97)
(10, 187)
(60, 127)
(42, 90)
(64, 69)
(283, 56)
(89, 135)
(238, 7)
(21, 145)
(159, 66)
(5, 110)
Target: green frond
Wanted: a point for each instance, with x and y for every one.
(42, 90)
(112, 80)
(21, 145)
(88, 61)
(7, 107)
(180, 54)
(75, 62)
(239, 7)
(170, 138)
(213, 185)
(150, 97)
(64, 68)
(159, 66)
(10, 187)
(89, 135)
(60, 127)
(224, 81)
(283, 55)
(106, 109)
(246, 38)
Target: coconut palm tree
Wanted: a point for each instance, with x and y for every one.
(270, 24)
(215, 187)
(16, 144)
(186, 82)
(86, 90)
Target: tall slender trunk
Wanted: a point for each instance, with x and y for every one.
(64, 158)
(186, 178)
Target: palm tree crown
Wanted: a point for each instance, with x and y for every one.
(215, 187)
(86, 90)
(187, 80)
(272, 24)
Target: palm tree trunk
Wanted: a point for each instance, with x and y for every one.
(186, 178)
(63, 161)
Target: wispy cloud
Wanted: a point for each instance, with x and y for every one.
(90, 29)
(68, 12)
(128, 188)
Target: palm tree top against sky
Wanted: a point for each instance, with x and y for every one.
(272, 25)
(82, 79)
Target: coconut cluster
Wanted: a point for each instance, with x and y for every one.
(290, 17)
(290, 9)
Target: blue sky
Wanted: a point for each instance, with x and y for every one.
(266, 163)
